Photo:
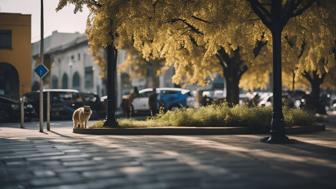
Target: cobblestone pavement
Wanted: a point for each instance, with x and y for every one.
(61, 159)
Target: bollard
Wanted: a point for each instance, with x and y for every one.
(21, 113)
(41, 105)
(48, 110)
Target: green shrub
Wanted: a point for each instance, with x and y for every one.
(256, 118)
(298, 117)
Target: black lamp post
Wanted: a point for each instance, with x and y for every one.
(111, 53)
(276, 26)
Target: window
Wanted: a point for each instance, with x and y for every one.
(78, 56)
(88, 77)
(145, 94)
(65, 81)
(5, 39)
(170, 92)
(54, 82)
(76, 81)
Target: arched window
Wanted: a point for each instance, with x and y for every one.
(76, 81)
(9, 81)
(65, 81)
(54, 82)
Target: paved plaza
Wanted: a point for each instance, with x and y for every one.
(61, 159)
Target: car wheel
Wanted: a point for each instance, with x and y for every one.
(175, 107)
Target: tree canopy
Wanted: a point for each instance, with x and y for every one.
(190, 36)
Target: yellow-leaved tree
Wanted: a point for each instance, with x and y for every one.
(310, 52)
(198, 38)
(138, 68)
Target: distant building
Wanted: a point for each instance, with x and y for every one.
(15, 54)
(53, 41)
(73, 67)
(71, 64)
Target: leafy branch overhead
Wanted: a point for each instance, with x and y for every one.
(202, 38)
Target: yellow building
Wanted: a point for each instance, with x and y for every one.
(15, 54)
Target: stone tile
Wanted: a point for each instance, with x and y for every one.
(44, 173)
(29, 159)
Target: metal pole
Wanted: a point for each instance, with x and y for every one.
(41, 105)
(278, 134)
(111, 86)
(42, 61)
(48, 111)
(22, 113)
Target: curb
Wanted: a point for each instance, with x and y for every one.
(306, 129)
(191, 130)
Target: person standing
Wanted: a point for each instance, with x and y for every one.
(126, 103)
(153, 103)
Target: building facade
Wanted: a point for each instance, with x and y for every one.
(55, 40)
(15, 54)
(73, 68)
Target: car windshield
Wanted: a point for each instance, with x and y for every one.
(166, 92)
(89, 97)
(67, 97)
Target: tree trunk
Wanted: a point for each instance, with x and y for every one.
(232, 88)
(315, 90)
(233, 68)
(313, 102)
(277, 125)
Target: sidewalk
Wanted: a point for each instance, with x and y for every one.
(62, 159)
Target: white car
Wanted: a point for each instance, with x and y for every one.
(266, 100)
(177, 98)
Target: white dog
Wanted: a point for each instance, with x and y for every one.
(81, 116)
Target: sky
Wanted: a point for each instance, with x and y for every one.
(63, 21)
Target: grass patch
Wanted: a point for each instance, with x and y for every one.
(256, 118)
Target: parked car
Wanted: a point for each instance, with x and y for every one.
(63, 102)
(10, 110)
(286, 100)
(169, 98)
(97, 106)
(333, 105)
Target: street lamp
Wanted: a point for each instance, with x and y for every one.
(111, 53)
(42, 61)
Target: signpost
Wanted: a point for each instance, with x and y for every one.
(41, 70)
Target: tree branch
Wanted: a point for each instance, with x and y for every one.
(243, 69)
(223, 57)
(299, 11)
(262, 12)
(190, 26)
(201, 19)
(302, 49)
(94, 3)
(306, 75)
(259, 45)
